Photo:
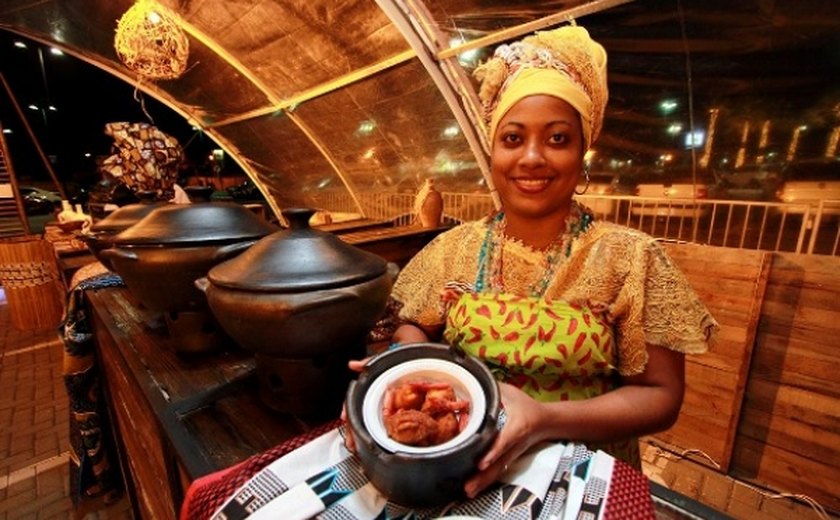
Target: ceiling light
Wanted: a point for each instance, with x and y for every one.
(366, 127)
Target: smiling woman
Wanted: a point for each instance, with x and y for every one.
(580, 320)
(349, 107)
(537, 161)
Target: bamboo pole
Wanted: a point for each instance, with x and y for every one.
(10, 172)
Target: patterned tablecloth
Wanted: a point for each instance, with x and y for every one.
(313, 476)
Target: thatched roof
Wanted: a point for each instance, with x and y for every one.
(322, 100)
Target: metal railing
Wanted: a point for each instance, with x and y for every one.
(770, 226)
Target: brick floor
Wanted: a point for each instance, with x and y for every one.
(34, 446)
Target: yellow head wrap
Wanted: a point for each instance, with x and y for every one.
(565, 63)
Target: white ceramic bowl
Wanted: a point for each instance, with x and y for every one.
(466, 387)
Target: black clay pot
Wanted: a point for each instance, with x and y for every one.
(303, 301)
(430, 476)
(160, 257)
(101, 234)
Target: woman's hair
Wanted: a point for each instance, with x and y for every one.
(565, 63)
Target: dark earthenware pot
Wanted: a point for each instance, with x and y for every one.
(160, 257)
(303, 301)
(101, 234)
(422, 477)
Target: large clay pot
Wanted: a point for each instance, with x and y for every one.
(160, 257)
(303, 301)
(161, 277)
(101, 234)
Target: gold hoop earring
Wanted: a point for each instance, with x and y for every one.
(585, 186)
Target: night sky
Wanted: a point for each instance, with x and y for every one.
(85, 98)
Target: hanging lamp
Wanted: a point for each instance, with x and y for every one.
(150, 42)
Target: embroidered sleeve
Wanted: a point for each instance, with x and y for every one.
(451, 256)
(658, 306)
(674, 316)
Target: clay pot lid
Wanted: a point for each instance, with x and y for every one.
(182, 224)
(128, 215)
(297, 259)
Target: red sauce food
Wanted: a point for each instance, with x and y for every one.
(424, 413)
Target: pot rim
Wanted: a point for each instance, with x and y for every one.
(126, 216)
(183, 245)
(382, 362)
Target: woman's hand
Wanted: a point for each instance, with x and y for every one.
(645, 404)
(519, 433)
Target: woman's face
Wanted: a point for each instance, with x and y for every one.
(537, 157)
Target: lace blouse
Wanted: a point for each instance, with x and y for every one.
(622, 275)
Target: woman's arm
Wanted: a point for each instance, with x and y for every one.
(413, 333)
(644, 404)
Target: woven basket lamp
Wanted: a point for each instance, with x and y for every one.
(150, 42)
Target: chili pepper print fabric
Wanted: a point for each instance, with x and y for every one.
(552, 350)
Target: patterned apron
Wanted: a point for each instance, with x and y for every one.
(551, 350)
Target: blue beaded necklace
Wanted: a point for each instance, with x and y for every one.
(490, 257)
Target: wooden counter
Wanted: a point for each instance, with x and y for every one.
(177, 418)
(395, 244)
(349, 226)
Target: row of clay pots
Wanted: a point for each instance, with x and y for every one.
(101, 234)
(301, 299)
(160, 257)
